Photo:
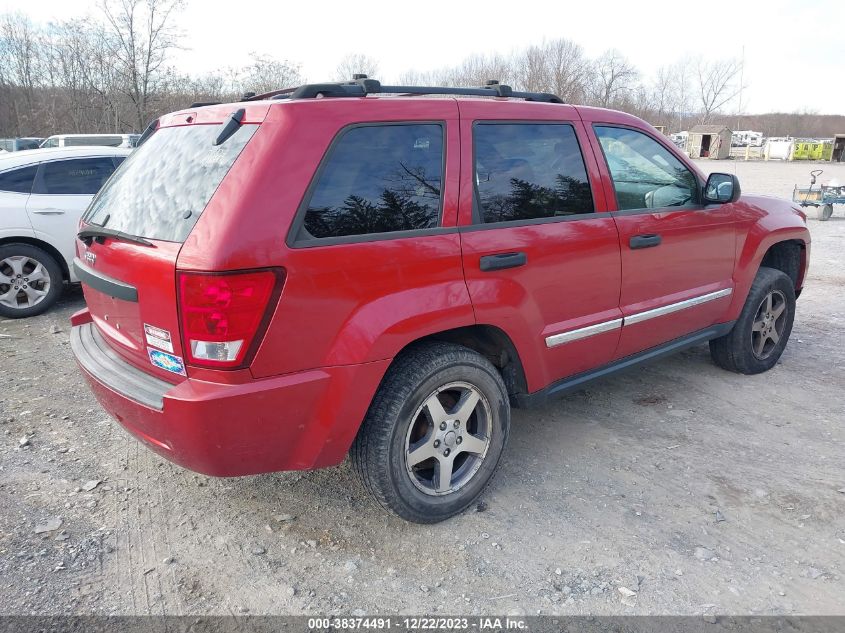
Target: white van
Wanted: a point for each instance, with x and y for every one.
(99, 140)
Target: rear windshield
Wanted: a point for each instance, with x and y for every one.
(161, 190)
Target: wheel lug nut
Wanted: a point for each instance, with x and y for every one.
(442, 426)
(457, 423)
(460, 439)
(436, 443)
(446, 453)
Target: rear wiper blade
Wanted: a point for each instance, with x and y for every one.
(89, 235)
(229, 126)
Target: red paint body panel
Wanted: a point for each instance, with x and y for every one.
(346, 310)
(294, 422)
(572, 278)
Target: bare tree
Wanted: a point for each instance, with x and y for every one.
(614, 79)
(354, 64)
(266, 74)
(558, 66)
(716, 84)
(141, 37)
(21, 65)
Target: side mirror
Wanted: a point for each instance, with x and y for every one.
(721, 188)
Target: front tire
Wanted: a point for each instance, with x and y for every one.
(759, 336)
(434, 433)
(30, 280)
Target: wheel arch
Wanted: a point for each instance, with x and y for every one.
(789, 256)
(45, 246)
(786, 249)
(491, 342)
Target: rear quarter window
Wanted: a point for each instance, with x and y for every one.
(376, 179)
(18, 180)
(161, 190)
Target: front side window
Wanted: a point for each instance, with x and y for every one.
(528, 171)
(378, 179)
(80, 176)
(645, 174)
(18, 180)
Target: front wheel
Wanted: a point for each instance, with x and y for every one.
(434, 433)
(759, 336)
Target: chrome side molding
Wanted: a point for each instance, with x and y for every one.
(591, 330)
(606, 326)
(639, 317)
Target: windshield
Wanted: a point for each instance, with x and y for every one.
(161, 190)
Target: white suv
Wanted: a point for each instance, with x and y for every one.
(80, 140)
(43, 193)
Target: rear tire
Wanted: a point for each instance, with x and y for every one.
(759, 336)
(434, 433)
(827, 211)
(30, 280)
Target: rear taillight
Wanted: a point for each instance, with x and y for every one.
(224, 315)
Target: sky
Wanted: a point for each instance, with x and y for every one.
(794, 50)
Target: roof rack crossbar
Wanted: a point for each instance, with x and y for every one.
(364, 86)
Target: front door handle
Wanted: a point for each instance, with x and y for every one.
(500, 261)
(50, 211)
(644, 241)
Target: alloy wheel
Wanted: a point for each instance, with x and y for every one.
(768, 326)
(448, 438)
(24, 282)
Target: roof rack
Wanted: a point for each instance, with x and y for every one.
(361, 86)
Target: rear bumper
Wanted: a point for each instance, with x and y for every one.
(292, 422)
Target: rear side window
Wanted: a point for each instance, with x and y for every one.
(161, 190)
(80, 176)
(378, 179)
(529, 171)
(18, 180)
(28, 143)
(107, 141)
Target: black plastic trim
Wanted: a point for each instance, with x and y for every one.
(644, 241)
(96, 357)
(562, 387)
(501, 261)
(363, 86)
(104, 283)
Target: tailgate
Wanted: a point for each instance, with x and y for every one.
(131, 293)
(151, 205)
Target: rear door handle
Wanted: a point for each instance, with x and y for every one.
(500, 261)
(644, 241)
(50, 211)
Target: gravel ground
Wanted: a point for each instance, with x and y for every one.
(674, 489)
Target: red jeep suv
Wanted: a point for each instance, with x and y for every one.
(386, 270)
